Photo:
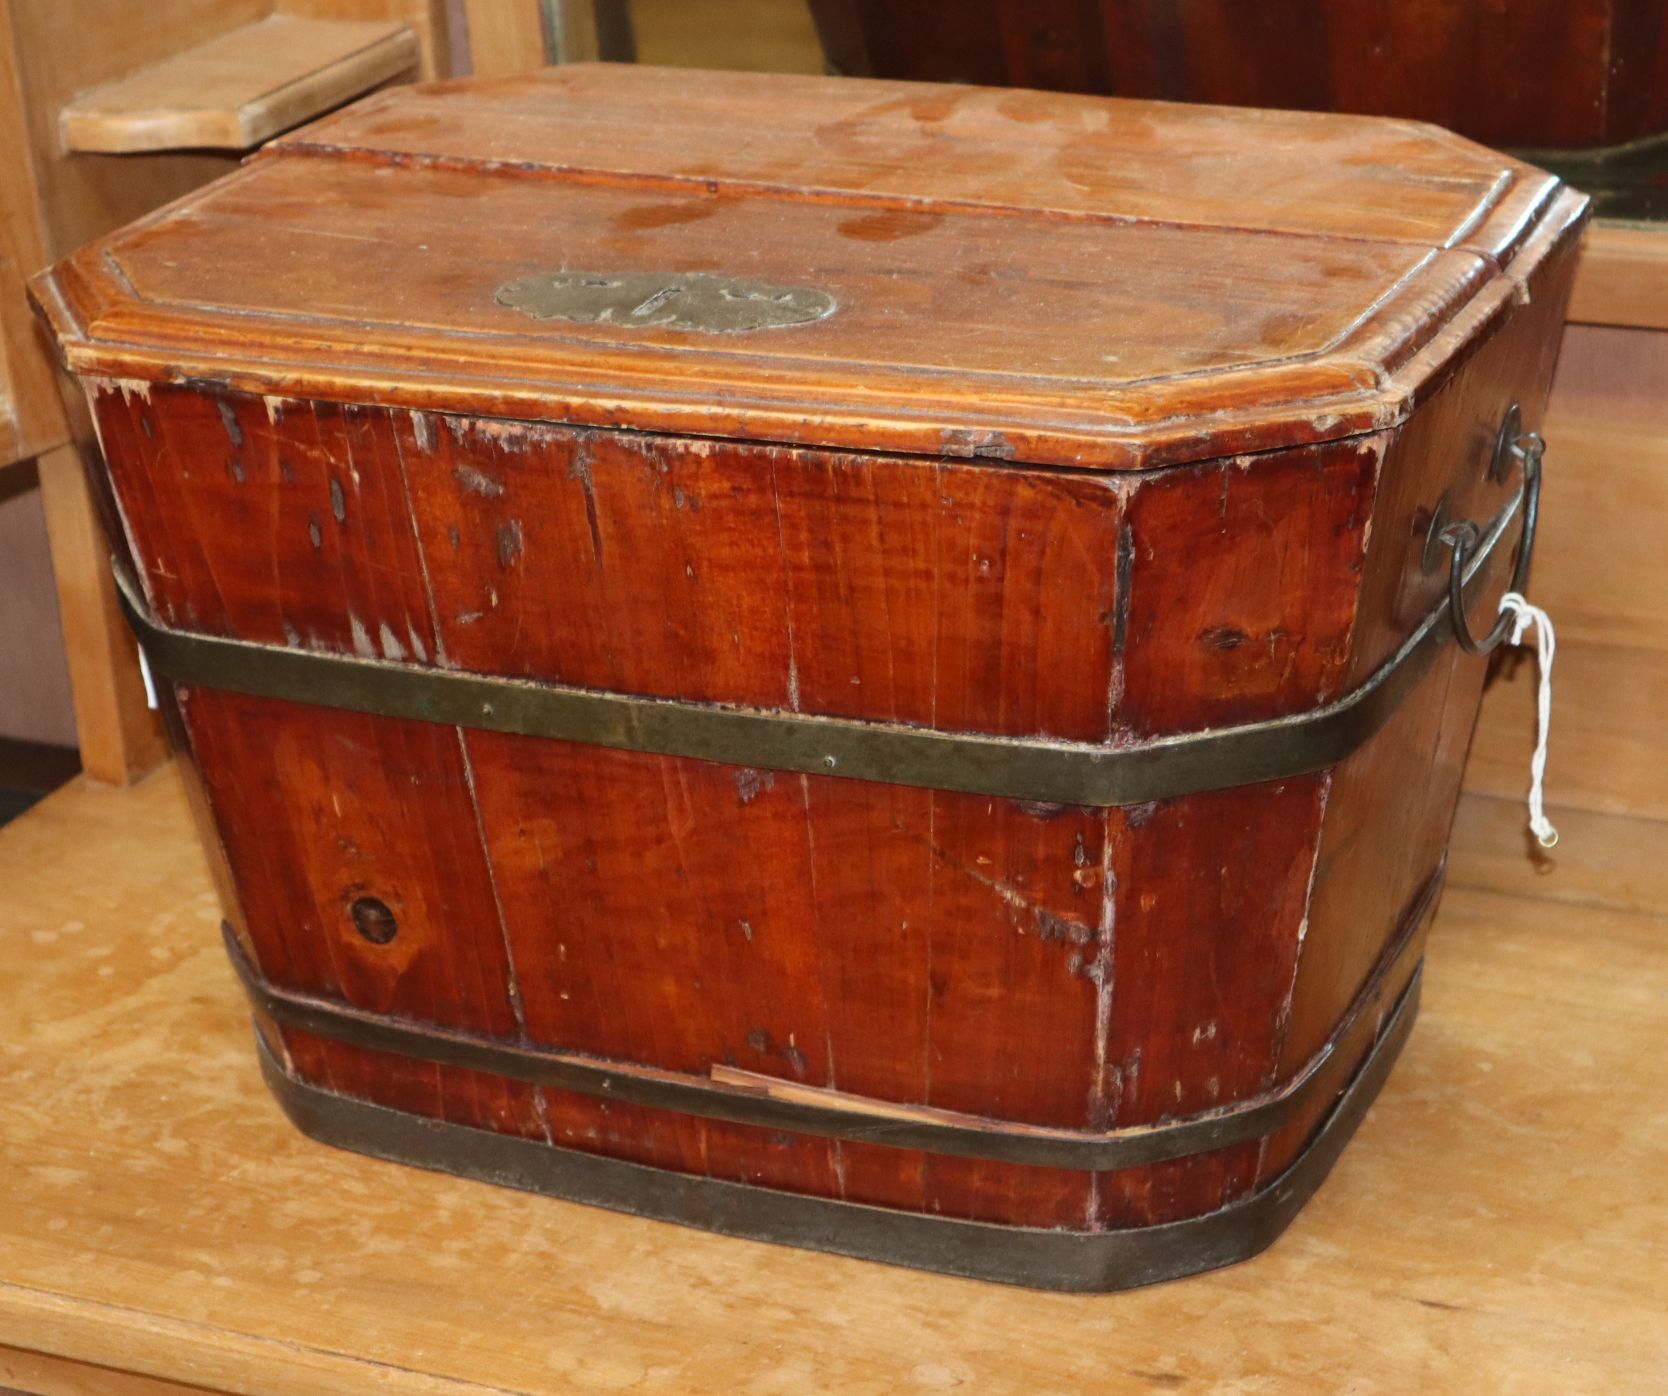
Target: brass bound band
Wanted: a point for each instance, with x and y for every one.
(840, 1116)
(1042, 770)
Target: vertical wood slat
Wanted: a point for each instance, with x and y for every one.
(31, 414)
(288, 523)
(506, 36)
(119, 737)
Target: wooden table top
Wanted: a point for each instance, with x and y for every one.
(1500, 1222)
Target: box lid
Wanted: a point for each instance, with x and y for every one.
(852, 264)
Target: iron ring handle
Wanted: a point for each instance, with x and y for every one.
(1462, 538)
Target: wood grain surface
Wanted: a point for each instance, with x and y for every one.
(117, 733)
(1108, 284)
(1500, 1216)
(589, 899)
(1025, 964)
(1472, 67)
(239, 88)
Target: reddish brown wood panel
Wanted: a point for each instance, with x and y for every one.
(1211, 895)
(1444, 451)
(1244, 580)
(317, 809)
(294, 529)
(1388, 809)
(932, 940)
(1476, 68)
(834, 584)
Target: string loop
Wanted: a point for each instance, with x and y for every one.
(1524, 617)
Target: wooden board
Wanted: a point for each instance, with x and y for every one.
(240, 88)
(164, 1220)
(428, 19)
(1068, 290)
(1601, 565)
(1608, 860)
(120, 738)
(1600, 574)
(1460, 65)
(31, 415)
(506, 36)
(1624, 277)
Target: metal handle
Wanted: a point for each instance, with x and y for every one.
(1528, 448)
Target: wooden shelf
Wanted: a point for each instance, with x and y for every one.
(1623, 276)
(241, 88)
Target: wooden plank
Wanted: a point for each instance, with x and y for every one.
(1618, 861)
(35, 701)
(1612, 375)
(239, 88)
(119, 737)
(1606, 750)
(31, 414)
(1601, 569)
(1623, 277)
(39, 1374)
(427, 18)
(506, 36)
(164, 1219)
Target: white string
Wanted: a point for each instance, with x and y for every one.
(1546, 645)
(145, 674)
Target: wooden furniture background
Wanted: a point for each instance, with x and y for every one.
(53, 53)
(1499, 1223)
(1601, 570)
(239, 88)
(1483, 69)
(516, 36)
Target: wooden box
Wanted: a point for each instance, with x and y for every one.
(851, 663)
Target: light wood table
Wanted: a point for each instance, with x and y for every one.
(1499, 1224)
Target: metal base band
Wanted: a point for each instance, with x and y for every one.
(839, 1116)
(1084, 1262)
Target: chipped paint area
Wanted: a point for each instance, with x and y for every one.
(510, 438)
(228, 419)
(1047, 925)
(967, 443)
(477, 482)
(750, 782)
(362, 645)
(131, 389)
(509, 543)
(423, 432)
